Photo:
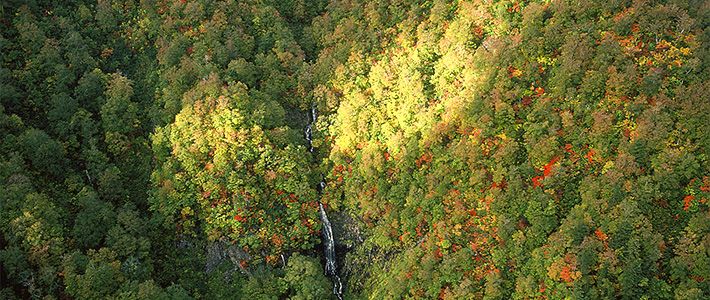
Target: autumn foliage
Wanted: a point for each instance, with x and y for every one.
(475, 149)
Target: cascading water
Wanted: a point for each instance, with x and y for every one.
(329, 242)
(329, 248)
(309, 129)
(309, 137)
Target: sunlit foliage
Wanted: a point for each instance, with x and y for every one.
(471, 149)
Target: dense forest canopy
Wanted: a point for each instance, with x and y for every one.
(504, 149)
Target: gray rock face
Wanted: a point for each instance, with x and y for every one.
(348, 230)
(220, 252)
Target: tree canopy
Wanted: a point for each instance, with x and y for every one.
(502, 149)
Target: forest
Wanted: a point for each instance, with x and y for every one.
(347, 149)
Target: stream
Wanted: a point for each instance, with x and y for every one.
(328, 240)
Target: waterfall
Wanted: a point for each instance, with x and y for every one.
(328, 241)
(329, 249)
(309, 137)
(309, 129)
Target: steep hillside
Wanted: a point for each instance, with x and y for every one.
(455, 149)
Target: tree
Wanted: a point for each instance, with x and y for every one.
(305, 278)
